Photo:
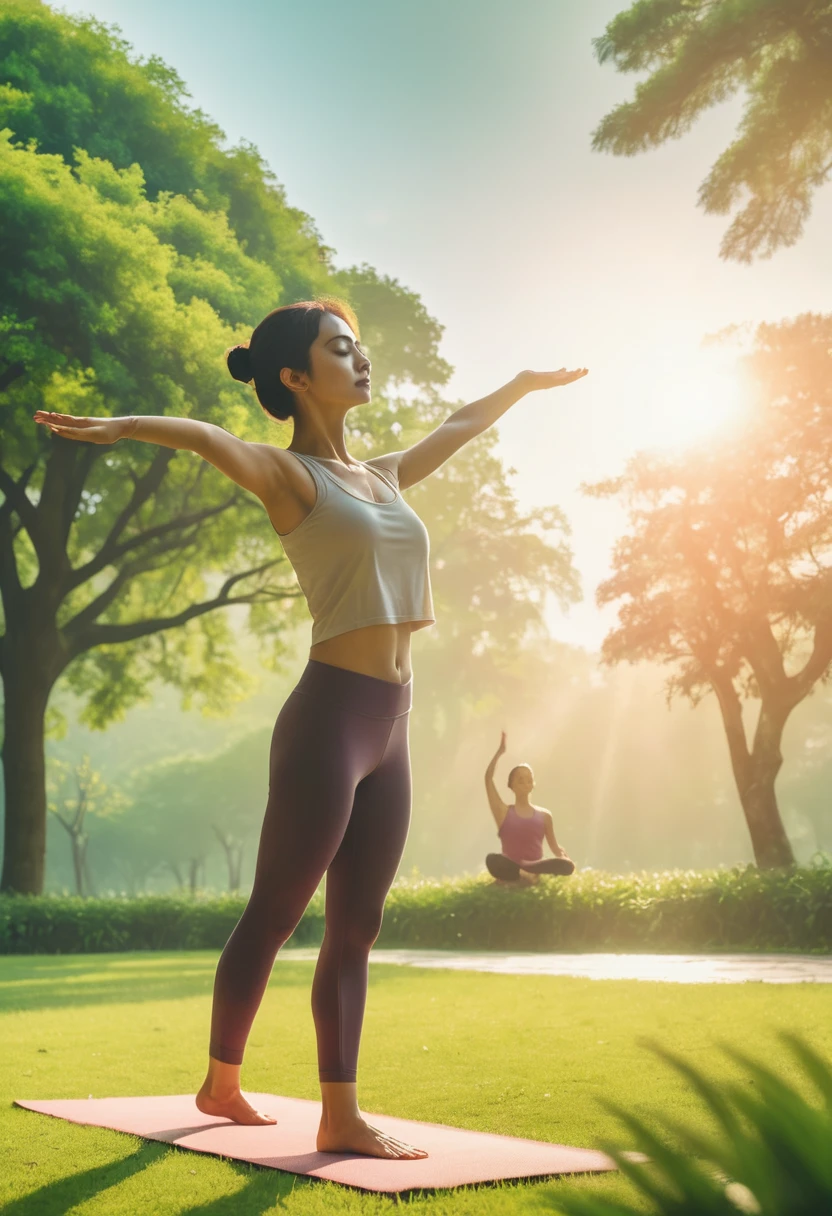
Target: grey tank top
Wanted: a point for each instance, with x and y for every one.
(359, 562)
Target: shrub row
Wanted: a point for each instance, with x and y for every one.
(738, 909)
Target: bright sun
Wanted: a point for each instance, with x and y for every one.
(691, 396)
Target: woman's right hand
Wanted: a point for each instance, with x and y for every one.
(88, 430)
(502, 746)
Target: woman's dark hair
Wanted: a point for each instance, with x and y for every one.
(514, 770)
(282, 339)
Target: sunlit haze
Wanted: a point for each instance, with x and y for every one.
(448, 145)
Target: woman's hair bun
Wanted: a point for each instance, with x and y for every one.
(238, 359)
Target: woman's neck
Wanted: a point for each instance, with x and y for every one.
(320, 442)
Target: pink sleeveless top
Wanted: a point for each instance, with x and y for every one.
(522, 838)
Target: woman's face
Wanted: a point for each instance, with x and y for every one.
(339, 370)
(523, 781)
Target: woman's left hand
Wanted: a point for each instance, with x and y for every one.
(87, 430)
(530, 381)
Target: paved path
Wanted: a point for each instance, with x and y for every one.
(672, 968)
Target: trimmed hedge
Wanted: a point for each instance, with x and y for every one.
(738, 909)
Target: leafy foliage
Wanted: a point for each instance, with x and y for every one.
(739, 909)
(71, 82)
(72, 925)
(700, 52)
(768, 1152)
(136, 248)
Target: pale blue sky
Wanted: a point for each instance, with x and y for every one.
(448, 145)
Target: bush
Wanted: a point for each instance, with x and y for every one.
(54, 924)
(739, 909)
(768, 1152)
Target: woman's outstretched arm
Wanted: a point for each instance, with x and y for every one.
(416, 463)
(254, 466)
(498, 808)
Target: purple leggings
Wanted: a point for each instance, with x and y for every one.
(339, 804)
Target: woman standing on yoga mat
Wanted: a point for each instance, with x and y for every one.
(521, 828)
(339, 775)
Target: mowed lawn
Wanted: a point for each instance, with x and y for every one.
(517, 1055)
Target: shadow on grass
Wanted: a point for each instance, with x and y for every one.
(263, 1190)
(55, 982)
(31, 982)
(65, 1193)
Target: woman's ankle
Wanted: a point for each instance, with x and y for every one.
(339, 1101)
(222, 1080)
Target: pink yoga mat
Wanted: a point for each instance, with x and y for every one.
(457, 1156)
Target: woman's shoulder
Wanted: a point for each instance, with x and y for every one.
(542, 811)
(389, 462)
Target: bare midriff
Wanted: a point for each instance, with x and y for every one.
(382, 651)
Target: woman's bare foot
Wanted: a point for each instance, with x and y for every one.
(355, 1135)
(230, 1105)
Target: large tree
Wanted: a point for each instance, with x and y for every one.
(726, 572)
(119, 297)
(129, 265)
(104, 551)
(778, 53)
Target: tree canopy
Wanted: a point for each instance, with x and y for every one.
(136, 248)
(777, 53)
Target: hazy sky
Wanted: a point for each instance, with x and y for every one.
(447, 143)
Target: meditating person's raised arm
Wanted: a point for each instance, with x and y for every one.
(498, 807)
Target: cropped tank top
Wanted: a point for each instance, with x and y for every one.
(359, 562)
(522, 835)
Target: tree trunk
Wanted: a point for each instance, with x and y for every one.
(77, 862)
(193, 873)
(768, 836)
(89, 889)
(755, 773)
(233, 858)
(236, 870)
(26, 696)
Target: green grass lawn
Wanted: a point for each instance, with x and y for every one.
(517, 1055)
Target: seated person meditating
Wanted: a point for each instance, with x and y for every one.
(521, 828)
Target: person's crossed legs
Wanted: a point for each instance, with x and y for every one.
(503, 868)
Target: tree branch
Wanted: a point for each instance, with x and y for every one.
(144, 488)
(102, 635)
(9, 576)
(77, 480)
(731, 708)
(10, 585)
(179, 524)
(109, 556)
(802, 682)
(150, 561)
(764, 656)
(18, 500)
